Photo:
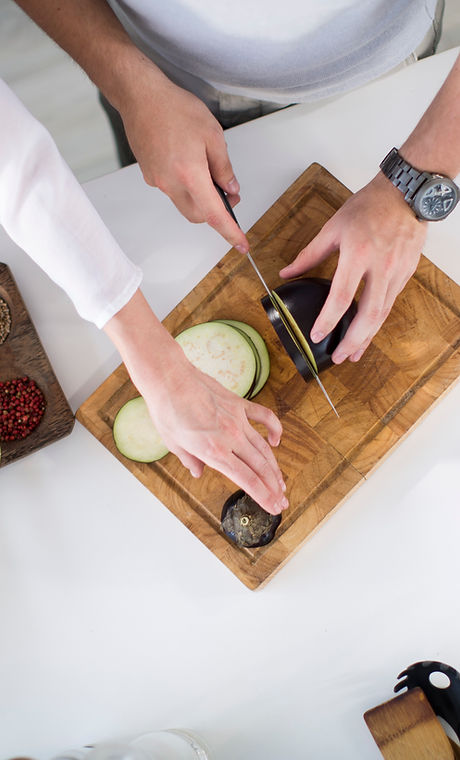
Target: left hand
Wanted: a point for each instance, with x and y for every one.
(380, 241)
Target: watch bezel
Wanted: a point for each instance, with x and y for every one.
(435, 179)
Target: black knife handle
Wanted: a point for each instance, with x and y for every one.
(226, 203)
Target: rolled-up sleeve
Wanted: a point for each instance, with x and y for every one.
(46, 212)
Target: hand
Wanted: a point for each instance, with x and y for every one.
(380, 242)
(181, 149)
(199, 420)
(203, 423)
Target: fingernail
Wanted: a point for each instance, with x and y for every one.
(339, 358)
(284, 503)
(357, 356)
(283, 485)
(233, 186)
(317, 336)
(242, 248)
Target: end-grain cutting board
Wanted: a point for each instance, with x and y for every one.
(414, 359)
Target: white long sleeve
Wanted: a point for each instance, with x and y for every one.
(46, 212)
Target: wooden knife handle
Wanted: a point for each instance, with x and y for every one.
(406, 728)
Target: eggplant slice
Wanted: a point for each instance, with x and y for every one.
(304, 299)
(247, 524)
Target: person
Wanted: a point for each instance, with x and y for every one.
(46, 212)
(176, 72)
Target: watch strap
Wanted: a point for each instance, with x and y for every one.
(405, 177)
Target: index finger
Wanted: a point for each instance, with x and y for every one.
(268, 496)
(343, 288)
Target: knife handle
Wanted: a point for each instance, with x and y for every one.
(226, 203)
(445, 700)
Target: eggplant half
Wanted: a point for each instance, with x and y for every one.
(247, 524)
(304, 299)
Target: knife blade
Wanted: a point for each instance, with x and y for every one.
(226, 203)
(282, 317)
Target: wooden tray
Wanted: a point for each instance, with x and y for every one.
(414, 359)
(23, 354)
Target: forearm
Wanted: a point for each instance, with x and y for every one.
(90, 32)
(151, 355)
(46, 212)
(434, 144)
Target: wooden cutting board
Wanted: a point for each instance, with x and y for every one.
(412, 362)
(22, 354)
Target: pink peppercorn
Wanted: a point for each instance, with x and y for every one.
(22, 405)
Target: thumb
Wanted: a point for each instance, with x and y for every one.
(314, 253)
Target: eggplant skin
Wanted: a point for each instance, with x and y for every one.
(305, 298)
(247, 524)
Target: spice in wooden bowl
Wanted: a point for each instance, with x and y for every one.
(22, 405)
(5, 320)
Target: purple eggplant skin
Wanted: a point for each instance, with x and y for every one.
(260, 527)
(305, 298)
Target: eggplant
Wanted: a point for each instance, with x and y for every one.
(304, 298)
(247, 524)
(135, 435)
(223, 352)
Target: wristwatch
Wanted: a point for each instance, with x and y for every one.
(432, 197)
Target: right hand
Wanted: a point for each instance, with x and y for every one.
(202, 422)
(181, 149)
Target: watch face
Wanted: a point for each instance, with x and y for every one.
(436, 199)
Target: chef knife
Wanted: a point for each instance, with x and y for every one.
(284, 317)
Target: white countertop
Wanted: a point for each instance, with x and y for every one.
(117, 620)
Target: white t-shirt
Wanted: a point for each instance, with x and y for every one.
(286, 52)
(46, 212)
